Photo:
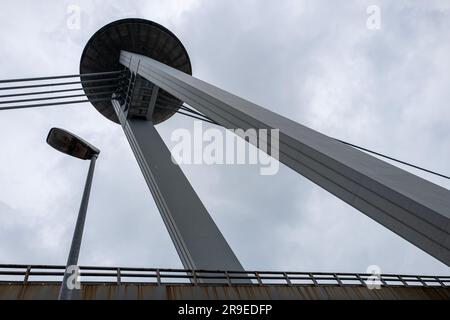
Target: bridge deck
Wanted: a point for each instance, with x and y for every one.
(43, 282)
(110, 291)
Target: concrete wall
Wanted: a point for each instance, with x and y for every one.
(208, 292)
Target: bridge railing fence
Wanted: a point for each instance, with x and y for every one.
(114, 275)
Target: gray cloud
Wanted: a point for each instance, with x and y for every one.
(312, 61)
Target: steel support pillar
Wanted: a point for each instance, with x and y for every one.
(197, 239)
(414, 208)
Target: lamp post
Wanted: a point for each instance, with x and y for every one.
(74, 146)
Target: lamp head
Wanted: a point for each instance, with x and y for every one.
(70, 144)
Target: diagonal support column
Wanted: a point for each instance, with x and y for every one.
(414, 208)
(198, 241)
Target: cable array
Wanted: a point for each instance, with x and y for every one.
(99, 87)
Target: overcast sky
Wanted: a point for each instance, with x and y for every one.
(315, 62)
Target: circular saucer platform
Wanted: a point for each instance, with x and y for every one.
(145, 37)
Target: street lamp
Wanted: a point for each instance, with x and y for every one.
(74, 146)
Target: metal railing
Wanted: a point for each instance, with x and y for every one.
(13, 273)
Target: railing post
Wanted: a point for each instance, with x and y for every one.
(383, 283)
(27, 275)
(158, 277)
(421, 281)
(228, 278)
(337, 279)
(358, 276)
(288, 281)
(439, 281)
(401, 279)
(118, 277)
(258, 278)
(313, 279)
